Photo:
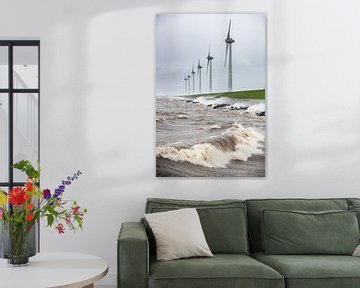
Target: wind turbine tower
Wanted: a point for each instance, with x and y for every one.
(228, 42)
(193, 78)
(188, 77)
(185, 80)
(209, 63)
(199, 67)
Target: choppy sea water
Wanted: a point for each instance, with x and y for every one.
(210, 137)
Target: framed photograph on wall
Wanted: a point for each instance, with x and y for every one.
(210, 95)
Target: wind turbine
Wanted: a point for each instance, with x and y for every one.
(199, 67)
(228, 42)
(185, 80)
(193, 78)
(209, 63)
(188, 77)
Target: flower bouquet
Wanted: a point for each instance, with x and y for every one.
(21, 208)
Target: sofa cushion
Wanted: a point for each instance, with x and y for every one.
(223, 221)
(254, 207)
(178, 234)
(313, 271)
(222, 270)
(356, 209)
(297, 232)
(354, 205)
(353, 201)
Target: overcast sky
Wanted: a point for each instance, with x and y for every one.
(183, 39)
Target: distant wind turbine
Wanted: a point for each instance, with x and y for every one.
(199, 67)
(209, 63)
(228, 42)
(193, 78)
(185, 80)
(188, 77)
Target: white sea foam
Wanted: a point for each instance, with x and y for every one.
(215, 127)
(182, 116)
(257, 108)
(250, 105)
(160, 119)
(239, 105)
(204, 100)
(211, 101)
(236, 143)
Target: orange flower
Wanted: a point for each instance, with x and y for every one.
(29, 187)
(17, 196)
(29, 206)
(27, 196)
(29, 217)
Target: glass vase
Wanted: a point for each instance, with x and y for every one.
(18, 242)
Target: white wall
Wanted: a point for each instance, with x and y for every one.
(98, 112)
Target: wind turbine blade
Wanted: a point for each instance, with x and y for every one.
(228, 35)
(227, 48)
(207, 67)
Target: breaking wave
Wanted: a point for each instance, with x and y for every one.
(182, 116)
(215, 127)
(236, 143)
(239, 106)
(211, 101)
(252, 106)
(257, 108)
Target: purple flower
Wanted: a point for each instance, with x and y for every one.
(64, 183)
(46, 194)
(58, 192)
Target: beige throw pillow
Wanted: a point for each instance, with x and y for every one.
(357, 251)
(178, 234)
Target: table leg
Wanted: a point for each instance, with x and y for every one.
(89, 286)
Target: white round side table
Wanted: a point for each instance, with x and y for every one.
(50, 270)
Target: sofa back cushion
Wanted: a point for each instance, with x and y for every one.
(223, 221)
(354, 205)
(298, 232)
(255, 206)
(353, 201)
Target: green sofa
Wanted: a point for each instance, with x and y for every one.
(233, 230)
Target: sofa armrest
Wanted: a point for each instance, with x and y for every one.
(133, 256)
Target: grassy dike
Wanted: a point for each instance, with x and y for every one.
(248, 94)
